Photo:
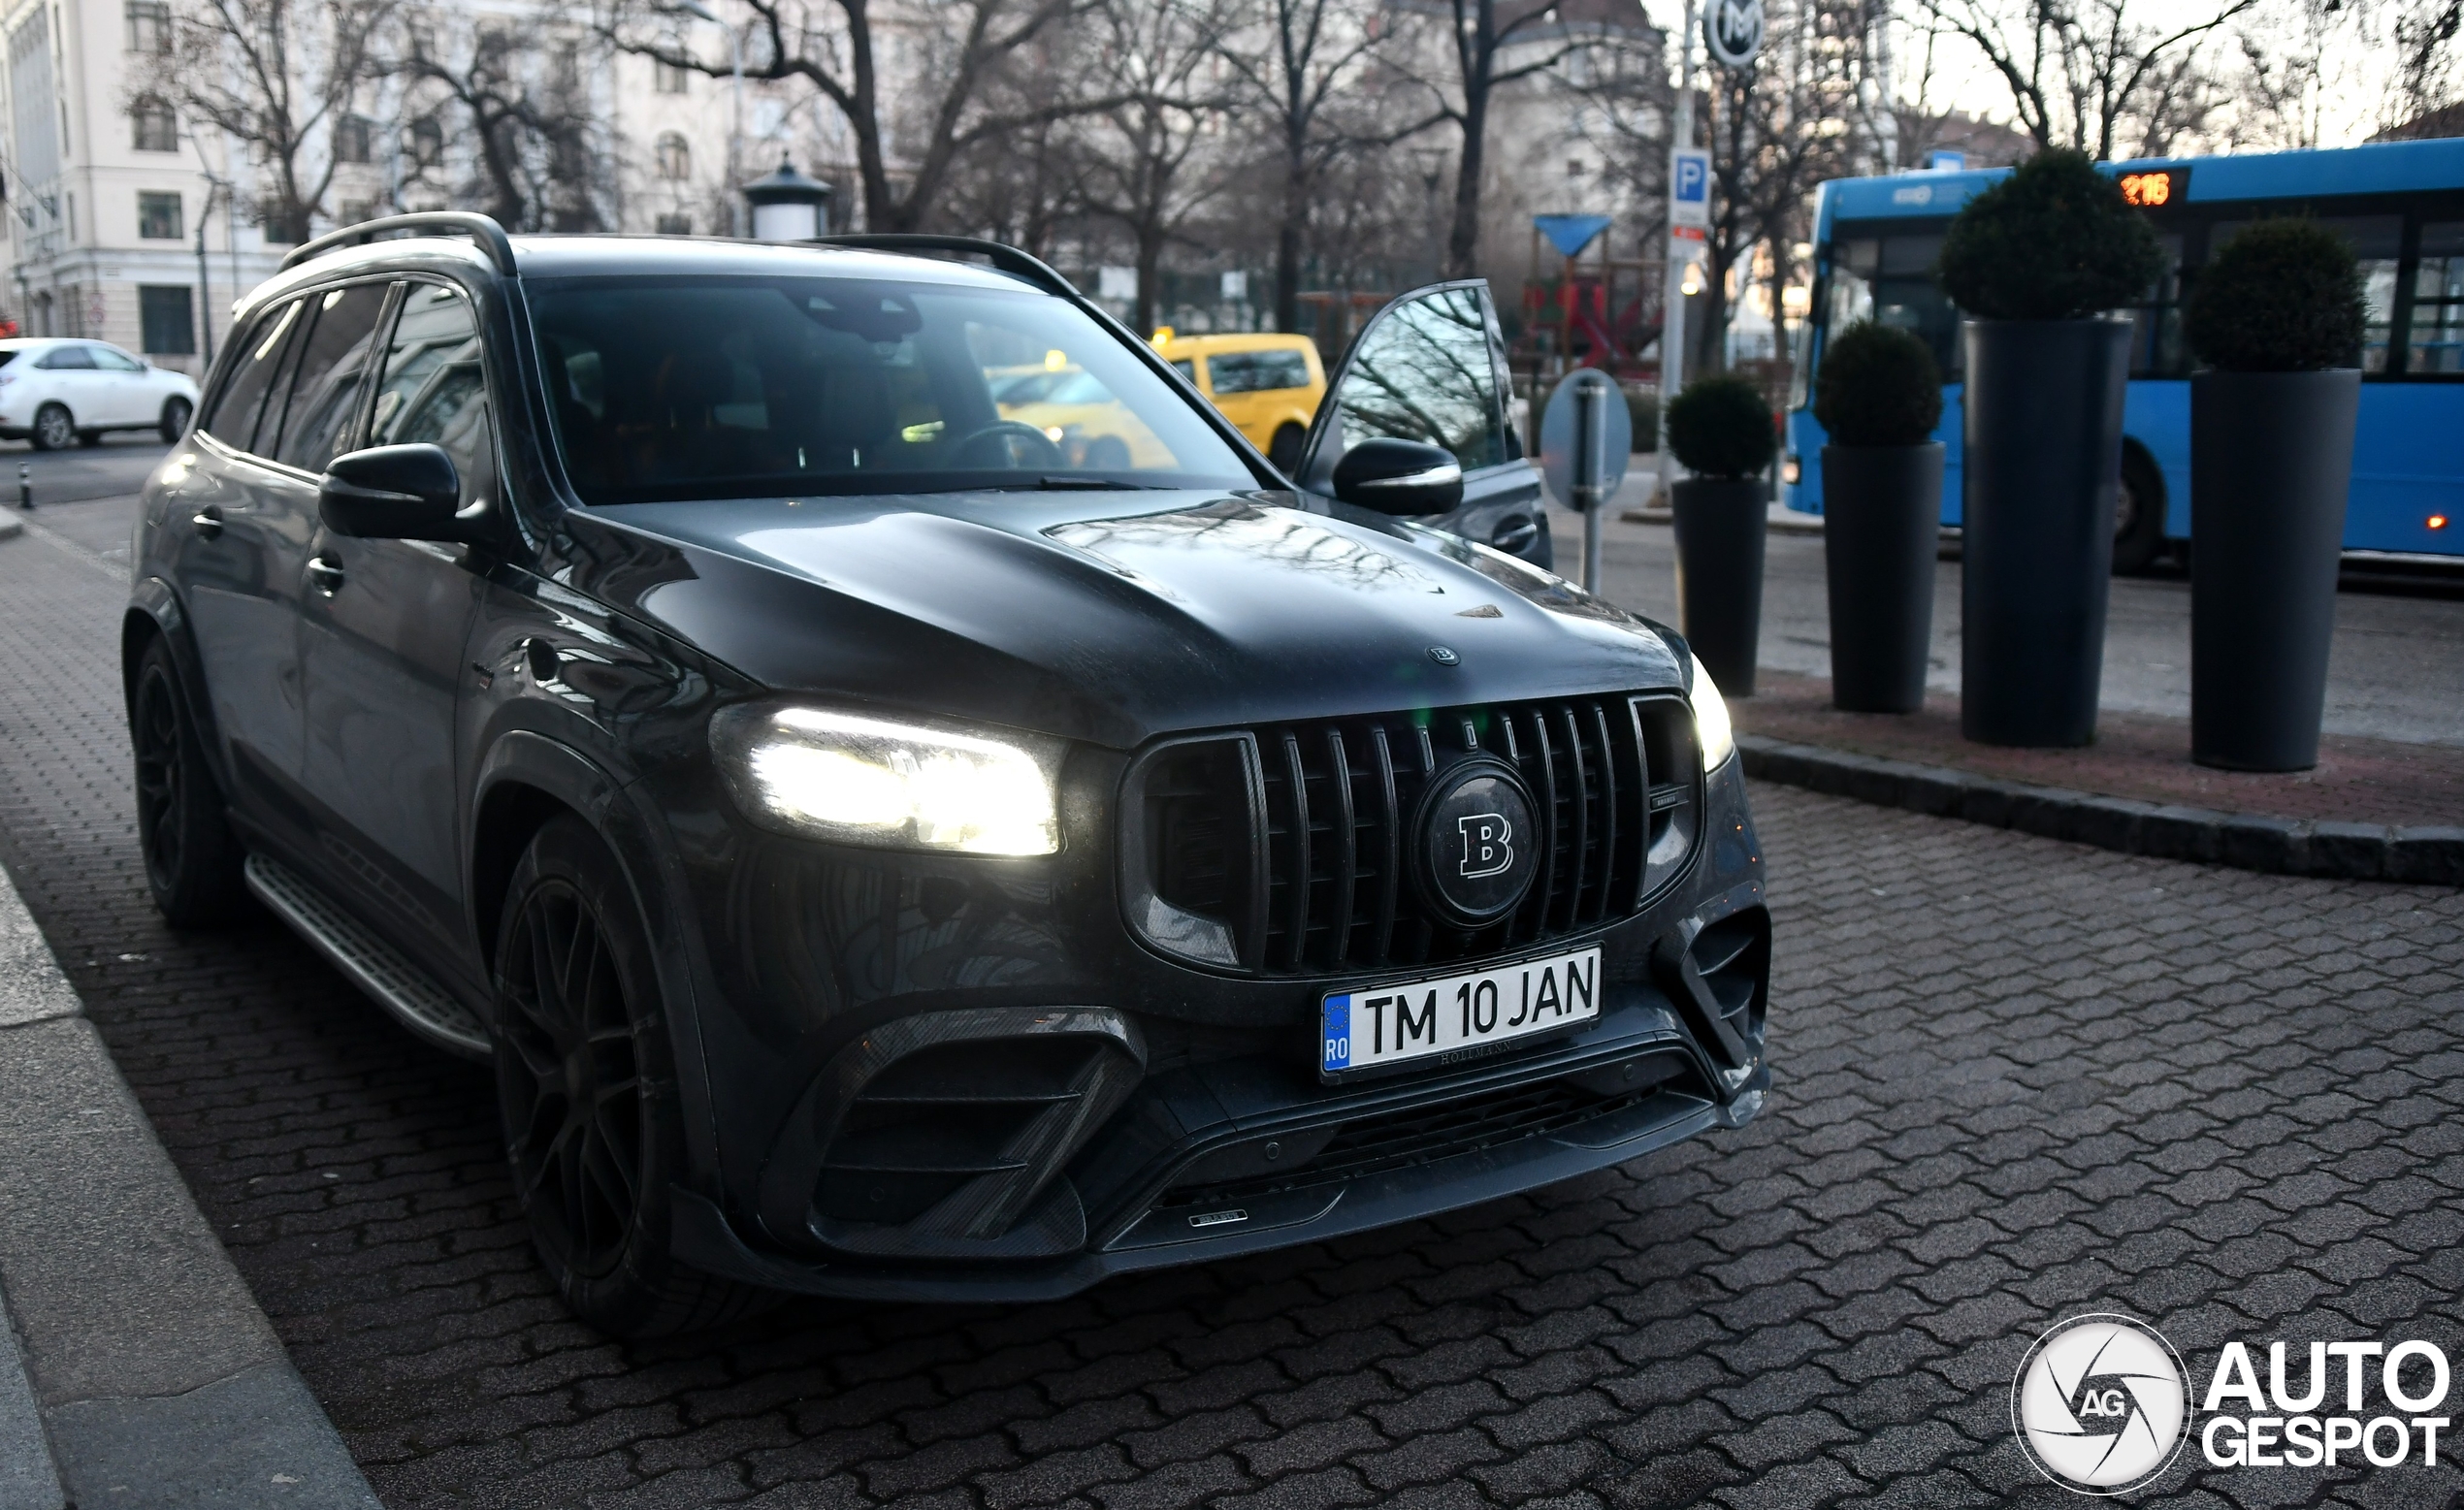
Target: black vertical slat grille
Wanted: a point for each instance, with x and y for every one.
(1612, 786)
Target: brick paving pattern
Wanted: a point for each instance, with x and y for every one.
(2017, 1081)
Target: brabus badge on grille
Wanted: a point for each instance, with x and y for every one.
(1476, 855)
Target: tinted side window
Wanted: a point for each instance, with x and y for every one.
(333, 364)
(1423, 372)
(233, 420)
(434, 389)
(1257, 371)
(68, 359)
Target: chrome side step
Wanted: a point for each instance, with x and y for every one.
(370, 963)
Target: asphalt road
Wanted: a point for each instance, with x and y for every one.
(2017, 1081)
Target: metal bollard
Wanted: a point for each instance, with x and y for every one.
(25, 487)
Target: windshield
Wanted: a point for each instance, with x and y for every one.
(671, 388)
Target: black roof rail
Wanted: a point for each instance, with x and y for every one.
(480, 228)
(1004, 258)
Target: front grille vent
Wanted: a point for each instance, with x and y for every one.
(1286, 849)
(1423, 1135)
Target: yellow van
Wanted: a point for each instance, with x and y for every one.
(1268, 384)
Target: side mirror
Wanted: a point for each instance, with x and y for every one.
(1400, 477)
(392, 492)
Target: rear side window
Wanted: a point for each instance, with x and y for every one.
(233, 420)
(333, 364)
(434, 388)
(68, 359)
(1257, 371)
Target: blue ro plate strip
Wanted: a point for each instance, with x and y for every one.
(1336, 1027)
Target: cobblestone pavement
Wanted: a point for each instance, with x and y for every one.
(2017, 1081)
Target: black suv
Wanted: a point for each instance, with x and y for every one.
(888, 848)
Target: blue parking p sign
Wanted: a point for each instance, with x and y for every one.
(1690, 188)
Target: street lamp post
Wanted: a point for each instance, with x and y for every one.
(735, 105)
(1673, 291)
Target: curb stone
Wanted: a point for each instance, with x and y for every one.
(11, 527)
(2245, 840)
(135, 1350)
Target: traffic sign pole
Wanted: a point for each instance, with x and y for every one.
(1672, 296)
(1589, 464)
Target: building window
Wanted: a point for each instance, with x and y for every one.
(158, 217)
(426, 143)
(354, 139)
(149, 25)
(672, 79)
(162, 313)
(675, 158)
(675, 225)
(156, 129)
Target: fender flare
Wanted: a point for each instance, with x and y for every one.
(158, 602)
(571, 779)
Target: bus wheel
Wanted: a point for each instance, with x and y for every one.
(2138, 514)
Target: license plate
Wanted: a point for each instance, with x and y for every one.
(1457, 1016)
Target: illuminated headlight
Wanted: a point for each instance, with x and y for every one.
(1711, 732)
(853, 779)
(1792, 471)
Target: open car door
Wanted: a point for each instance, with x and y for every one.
(1431, 366)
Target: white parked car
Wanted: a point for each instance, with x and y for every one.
(54, 391)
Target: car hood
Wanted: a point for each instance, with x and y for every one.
(1108, 616)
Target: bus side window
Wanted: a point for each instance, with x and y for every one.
(2437, 334)
(2155, 322)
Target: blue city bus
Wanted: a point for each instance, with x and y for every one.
(2400, 204)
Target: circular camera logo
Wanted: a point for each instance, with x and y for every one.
(2101, 1405)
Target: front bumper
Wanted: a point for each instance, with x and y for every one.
(1634, 1083)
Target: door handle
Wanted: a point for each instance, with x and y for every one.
(324, 576)
(207, 522)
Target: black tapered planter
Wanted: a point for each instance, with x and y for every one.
(2271, 463)
(2040, 473)
(1720, 523)
(1882, 513)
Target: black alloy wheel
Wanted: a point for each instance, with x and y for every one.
(192, 860)
(2138, 514)
(586, 1090)
(1284, 450)
(54, 430)
(175, 420)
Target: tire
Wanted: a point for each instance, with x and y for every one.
(580, 1024)
(2138, 516)
(1284, 451)
(54, 429)
(192, 858)
(175, 420)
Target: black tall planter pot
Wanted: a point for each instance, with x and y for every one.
(1882, 512)
(2043, 464)
(2271, 461)
(1720, 523)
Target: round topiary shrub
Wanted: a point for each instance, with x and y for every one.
(1877, 386)
(2055, 241)
(1720, 427)
(2283, 296)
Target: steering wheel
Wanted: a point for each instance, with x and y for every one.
(1021, 447)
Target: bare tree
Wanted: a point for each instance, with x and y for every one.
(276, 77)
(2424, 36)
(835, 46)
(520, 88)
(1315, 55)
(1476, 65)
(1154, 59)
(2080, 71)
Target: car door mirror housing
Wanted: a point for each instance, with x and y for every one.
(1400, 477)
(394, 493)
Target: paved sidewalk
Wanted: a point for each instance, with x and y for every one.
(136, 1370)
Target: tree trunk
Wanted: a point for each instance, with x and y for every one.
(1463, 241)
(1295, 222)
(1149, 277)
